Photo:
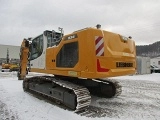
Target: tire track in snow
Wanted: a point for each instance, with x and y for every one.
(143, 96)
(139, 99)
(5, 112)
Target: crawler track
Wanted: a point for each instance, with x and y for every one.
(116, 85)
(83, 97)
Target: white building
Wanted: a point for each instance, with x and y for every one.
(13, 52)
(155, 61)
(143, 65)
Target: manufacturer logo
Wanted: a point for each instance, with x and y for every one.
(71, 37)
(124, 64)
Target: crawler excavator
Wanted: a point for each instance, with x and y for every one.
(78, 62)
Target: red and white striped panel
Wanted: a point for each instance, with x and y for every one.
(99, 42)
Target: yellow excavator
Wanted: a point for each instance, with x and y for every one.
(9, 66)
(80, 64)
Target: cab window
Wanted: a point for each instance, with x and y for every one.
(50, 41)
(36, 47)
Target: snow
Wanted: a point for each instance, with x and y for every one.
(155, 77)
(140, 99)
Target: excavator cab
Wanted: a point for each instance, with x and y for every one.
(33, 49)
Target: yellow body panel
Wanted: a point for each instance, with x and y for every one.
(118, 58)
(5, 66)
(13, 66)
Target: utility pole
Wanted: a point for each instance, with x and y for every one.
(7, 58)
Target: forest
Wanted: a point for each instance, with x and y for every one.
(151, 50)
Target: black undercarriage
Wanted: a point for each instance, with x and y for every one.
(96, 87)
(71, 92)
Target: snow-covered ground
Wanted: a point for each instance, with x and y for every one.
(140, 100)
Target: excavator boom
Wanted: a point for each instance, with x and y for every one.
(24, 59)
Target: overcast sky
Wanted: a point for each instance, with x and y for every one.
(28, 18)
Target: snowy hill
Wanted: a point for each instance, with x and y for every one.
(152, 50)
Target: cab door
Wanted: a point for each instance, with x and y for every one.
(37, 53)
